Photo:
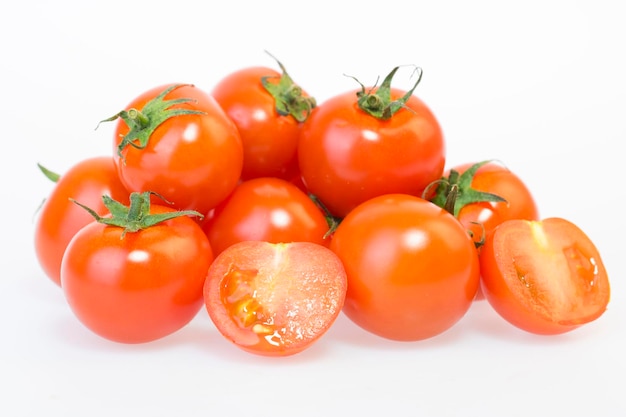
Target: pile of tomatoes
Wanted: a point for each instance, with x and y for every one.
(276, 213)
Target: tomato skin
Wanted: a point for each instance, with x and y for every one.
(545, 277)
(347, 156)
(194, 160)
(275, 299)
(496, 179)
(141, 287)
(412, 268)
(60, 219)
(269, 138)
(268, 209)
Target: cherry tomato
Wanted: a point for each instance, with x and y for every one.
(269, 209)
(545, 277)
(412, 268)
(358, 145)
(275, 299)
(176, 141)
(479, 212)
(268, 108)
(137, 286)
(59, 219)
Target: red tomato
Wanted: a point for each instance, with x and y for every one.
(481, 217)
(59, 219)
(347, 155)
(268, 209)
(275, 299)
(412, 268)
(545, 277)
(192, 159)
(267, 108)
(136, 287)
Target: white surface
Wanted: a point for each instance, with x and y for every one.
(539, 85)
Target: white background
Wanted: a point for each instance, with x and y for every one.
(539, 85)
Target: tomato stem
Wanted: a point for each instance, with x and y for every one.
(332, 220)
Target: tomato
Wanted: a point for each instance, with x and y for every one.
(358, 145)
(269, 209)
(137, 284)
(479, 212)
(275, 299)
(412, 268)
(176, 141)
(545, 277)
(268, 109)
(59, 219)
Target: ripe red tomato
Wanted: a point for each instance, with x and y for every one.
(351, 150)
(182, 146)
(480, 213)
(268, 209)
(275, 299)
(545, 277)
(412, 267)
(59, 219)
(137, 286)
(268, 108)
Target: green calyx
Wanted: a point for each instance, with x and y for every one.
(142, 123)
(137, 215)
(377, 102)
(288, 97)
(52, 176)
(455, 192)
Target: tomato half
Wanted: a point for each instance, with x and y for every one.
(193, 158)
(139, 287)
(275, 299)
(347, 155)
(268, 108)
(412, 268)
(268, 209)
(59, 219)
(545, 277)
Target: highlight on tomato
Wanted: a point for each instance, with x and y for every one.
(176, 141)
(268, 108)
(483, 195)
(137, 274)
(268, 209)
(545, 277)
(363, 143)
(275, 299)
(58, 219)
(412, 268)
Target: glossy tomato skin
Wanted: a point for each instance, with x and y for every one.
(268, 209)
(60, 219)
(275, 299)
(141, 287)
(193, 160)
(545, 277)
(482, 218)
(269, 138)
(412, 268)
(347, 156)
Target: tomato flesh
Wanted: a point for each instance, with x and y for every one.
(544, 277)
(275, 299)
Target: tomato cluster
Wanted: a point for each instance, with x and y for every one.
(276, 213)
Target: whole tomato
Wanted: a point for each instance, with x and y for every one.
(137, 275)
(176, 141)
(59, 219)
(364, 143)
(268, 109)
(412, 268)
(486, 194)
(544, 276)
(266, 209)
